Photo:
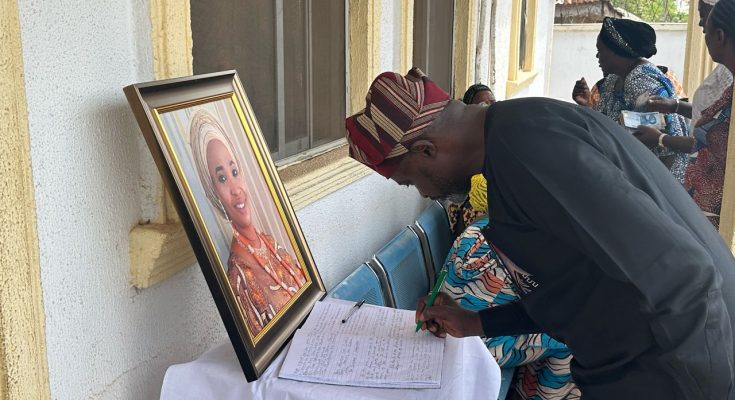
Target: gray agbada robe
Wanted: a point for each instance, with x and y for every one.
(609, 253)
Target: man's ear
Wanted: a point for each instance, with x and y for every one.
(423, 147)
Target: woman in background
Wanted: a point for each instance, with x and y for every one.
(263, 276)
(707, 93)
(705, 177)
(623, 47)
(479, 94)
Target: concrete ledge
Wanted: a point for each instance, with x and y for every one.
(524, 80)
(157, 252)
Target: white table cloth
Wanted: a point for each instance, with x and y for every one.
(468, 372)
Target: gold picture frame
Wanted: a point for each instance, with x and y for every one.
(213, 158)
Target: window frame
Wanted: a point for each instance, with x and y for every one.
(158, 249)
(520, 78)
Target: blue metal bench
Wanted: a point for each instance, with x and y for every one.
(359, 285)
(432, 227)
(402, 261)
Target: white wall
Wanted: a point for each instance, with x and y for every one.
(345, 228)
(499, 60)
(106, 340)
(574, 54)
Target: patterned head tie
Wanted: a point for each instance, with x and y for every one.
(397, 112)
(628, 38)
(203, 129)
(710, 2)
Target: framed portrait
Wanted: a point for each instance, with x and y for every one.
(214, 160)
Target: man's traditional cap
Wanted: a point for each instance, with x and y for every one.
(397, 112)
(628, 38)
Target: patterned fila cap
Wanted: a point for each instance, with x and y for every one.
(398, 111)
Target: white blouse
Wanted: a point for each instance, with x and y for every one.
(710, 91)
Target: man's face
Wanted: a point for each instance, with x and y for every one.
(433, 177)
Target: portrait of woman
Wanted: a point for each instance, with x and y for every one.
(263, 274)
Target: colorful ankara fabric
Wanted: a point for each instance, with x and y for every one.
(263, 279)
(628, 38)
(675, 83)
(705, 175)
(477, 281)
(645, 79)
(397, 112)
(678, 87)
(595, 93)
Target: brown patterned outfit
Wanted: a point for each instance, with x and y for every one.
(705, 175)
(263, 279)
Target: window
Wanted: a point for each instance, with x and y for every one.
(524, 58)
(433, 40)
(290, 55)
(523, 37)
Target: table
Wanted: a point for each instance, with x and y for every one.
(468, 372)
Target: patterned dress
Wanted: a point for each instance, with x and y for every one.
(645, 79)
(705, 175)
(678, 87)
(477, 281)
(263, 280)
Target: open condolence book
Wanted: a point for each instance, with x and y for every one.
(376, 347)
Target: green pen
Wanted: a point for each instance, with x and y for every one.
(434, 292)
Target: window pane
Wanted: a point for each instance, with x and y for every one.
(328, 70)
(295, 68)
(241, 36)
(290, 55)
(522, 62)
(432, 37)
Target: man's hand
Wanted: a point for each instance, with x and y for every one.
(447, 317)
(581, 93)
(660, 104)
(648, 135)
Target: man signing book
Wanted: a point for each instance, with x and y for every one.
(609, 254)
